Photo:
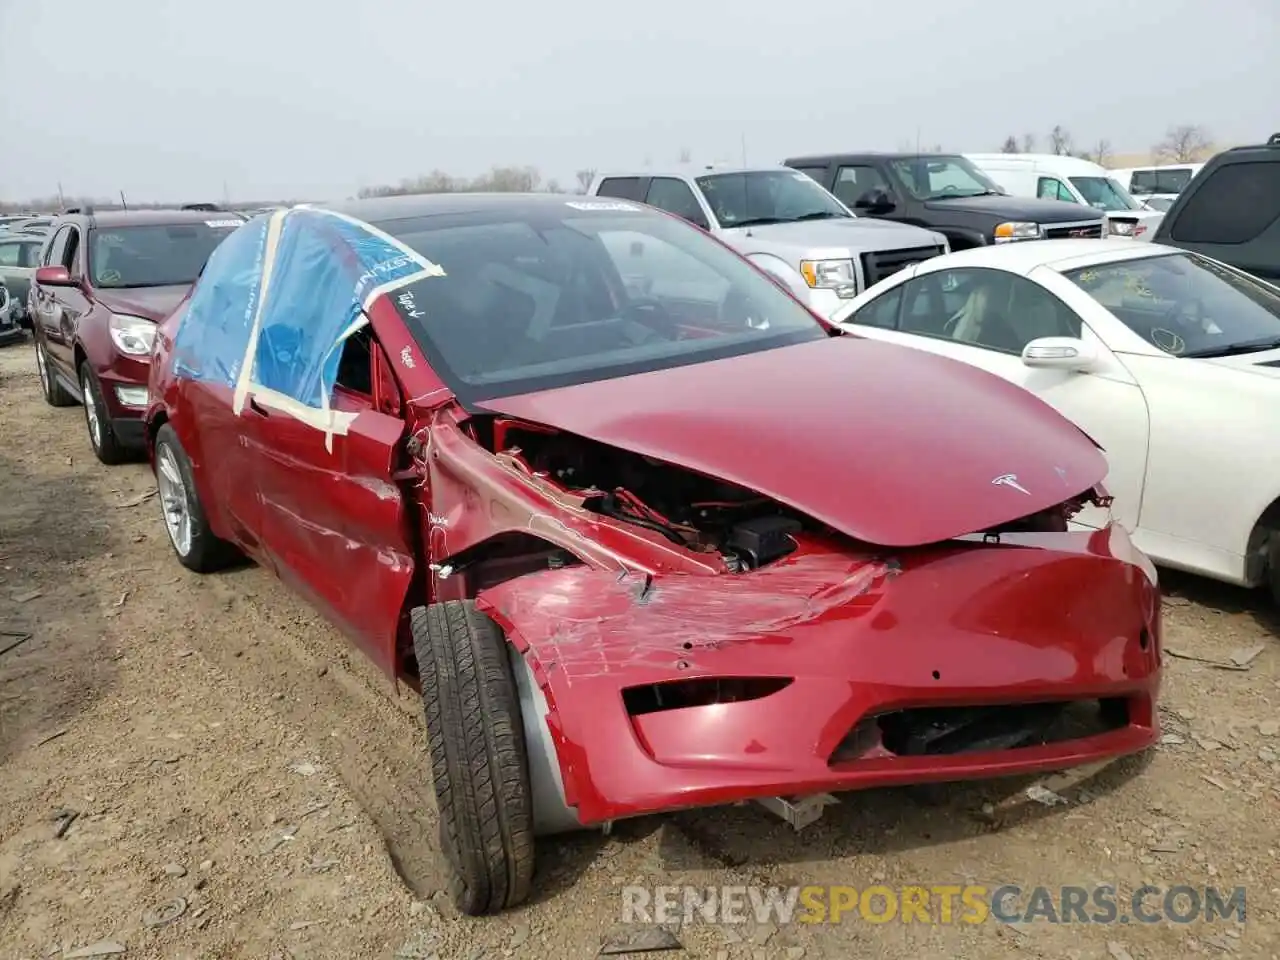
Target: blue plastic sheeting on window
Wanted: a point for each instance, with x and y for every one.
(212, 336)
(323, 266)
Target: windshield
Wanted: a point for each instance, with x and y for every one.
(768, 196)
(931, 177)
(1104, 193)
(154, 256)
(1186, 305)
(1172, 180)
(556, 296)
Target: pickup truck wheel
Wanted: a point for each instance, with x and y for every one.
(55, 395)
(195, 544)
(479, 762)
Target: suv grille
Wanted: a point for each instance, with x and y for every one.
(1077, 231)
(885, 263)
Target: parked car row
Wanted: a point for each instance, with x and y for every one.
(645, 532)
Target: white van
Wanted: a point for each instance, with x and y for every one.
(1052, 177)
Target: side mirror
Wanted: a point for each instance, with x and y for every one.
(53, 277)
(1059, 353)
(875, 200)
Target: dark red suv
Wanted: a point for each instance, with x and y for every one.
(103, 283)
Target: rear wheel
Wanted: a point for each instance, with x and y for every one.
(195, 544)
(479, 762)
(54, 393)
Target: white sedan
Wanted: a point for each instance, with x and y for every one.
(1167, 359)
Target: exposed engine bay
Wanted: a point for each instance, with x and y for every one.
(696, 512)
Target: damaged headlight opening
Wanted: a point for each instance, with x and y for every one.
(132, 335)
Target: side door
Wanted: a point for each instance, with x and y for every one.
(864, 189)
(69, 303)
(11, 272)
(986, 318)
(334, 521)
(47, 321)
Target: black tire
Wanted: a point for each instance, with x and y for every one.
(55, 394)
(106, 445)
(206, 552)
(479, 763)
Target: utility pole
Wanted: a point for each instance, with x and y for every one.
(123, 202)
(744, 149)
(62, 200)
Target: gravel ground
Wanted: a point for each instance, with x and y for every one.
(165, 736)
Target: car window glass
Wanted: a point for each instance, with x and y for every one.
(10, 254)
(1233, 205)
(932, 177)
(1051, 188)
(853, 182)
(768, 196)
(562, 298)
(71, 251)
(675, 196)
(881, 312)
(1185, 304)
(355, 364)
(816, 174)
(985, 308)
(155, 255)
(57, 248)
(1159, 181)
(624, 188)
(30, 255)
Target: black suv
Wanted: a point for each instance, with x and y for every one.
(946, 193)
(1231, 211)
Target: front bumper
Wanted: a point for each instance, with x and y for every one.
(846, 652)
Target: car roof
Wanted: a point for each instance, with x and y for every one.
(692, 170)
(383, 209)
(1059, 255)
(1043, 159)
(816, 159)
(131, 218)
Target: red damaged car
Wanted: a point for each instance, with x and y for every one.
(103, 282)
(645, 533)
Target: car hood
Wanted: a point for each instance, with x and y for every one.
(151, 303)
(889, 445)
(1014, 209)
(854, 233)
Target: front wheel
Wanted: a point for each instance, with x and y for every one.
(479, 762)
(106, 445)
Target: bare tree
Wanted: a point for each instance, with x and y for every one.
(497, 180)
(553, 186)
(1060, 141)
(1100, 154)
(1183, 144)
(585, 176)
(1010, 145)
(686, 155)
(1028, 143)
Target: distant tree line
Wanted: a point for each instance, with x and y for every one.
(1181, 144)
(1186, 143)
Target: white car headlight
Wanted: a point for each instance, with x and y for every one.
(828, 274)
(132, 335)
(1121, 228)
(1016, 230)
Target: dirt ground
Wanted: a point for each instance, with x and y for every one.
(211, 739)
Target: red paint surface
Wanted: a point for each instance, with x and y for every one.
(889, 445)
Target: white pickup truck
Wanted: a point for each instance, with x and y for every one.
(785, 223)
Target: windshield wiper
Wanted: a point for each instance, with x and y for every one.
(755, 222)
(966, 196)
(820, 215)
(1235, 349)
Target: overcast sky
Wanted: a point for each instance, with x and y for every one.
(315, 98)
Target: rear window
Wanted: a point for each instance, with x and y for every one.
(1159, 181)
(1236, 203)
(155, 256)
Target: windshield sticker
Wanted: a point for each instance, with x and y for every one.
(1168, 341)
(614, 205)
(223, 223)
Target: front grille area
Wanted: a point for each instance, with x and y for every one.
(1075, 231)
(885, 263)
(944, 731)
